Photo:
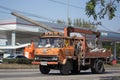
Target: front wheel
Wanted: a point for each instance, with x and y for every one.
(75, 68)
(44, 69)
(65, 68)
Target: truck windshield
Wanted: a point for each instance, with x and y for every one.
(50, 42)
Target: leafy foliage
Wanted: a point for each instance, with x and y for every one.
(100, 8)
(18, 61)
(90, 8)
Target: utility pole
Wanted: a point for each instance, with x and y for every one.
(67, 13)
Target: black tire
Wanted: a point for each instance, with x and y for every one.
(75, 68)
(75, 71)
(98, 67)
(65, 68)
(44, 69)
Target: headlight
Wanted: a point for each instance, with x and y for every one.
(36, 58)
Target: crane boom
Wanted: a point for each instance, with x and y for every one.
(32, 21)
(68, 30)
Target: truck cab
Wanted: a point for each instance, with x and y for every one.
(52, 51)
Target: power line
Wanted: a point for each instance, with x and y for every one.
(5, 8)
(37, 16)
(29, 14)
(107, 28)
(4, 12)
(59, 2)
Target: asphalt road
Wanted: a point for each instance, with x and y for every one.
(34, 74)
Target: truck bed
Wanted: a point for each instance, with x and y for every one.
(98, 54)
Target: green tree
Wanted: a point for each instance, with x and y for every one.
(82, 23)
(100, 8)
(69, 21)
(60, 21)
(77, 22)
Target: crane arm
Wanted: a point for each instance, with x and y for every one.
(68, 30)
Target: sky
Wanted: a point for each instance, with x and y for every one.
(56, 9)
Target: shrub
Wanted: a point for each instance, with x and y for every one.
(118, 61)
(8, 60)
(18, 61)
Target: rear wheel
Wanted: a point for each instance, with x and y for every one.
(98, 67)
(44, 69)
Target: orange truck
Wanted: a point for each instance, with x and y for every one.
(69, 54)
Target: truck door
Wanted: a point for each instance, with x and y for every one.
(68, 49)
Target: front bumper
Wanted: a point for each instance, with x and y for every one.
(46, 60)
(46, 63)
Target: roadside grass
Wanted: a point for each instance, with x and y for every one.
(30, 66)
(18, 66)
(115, 65)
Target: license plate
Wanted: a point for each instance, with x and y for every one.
(44, 63)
